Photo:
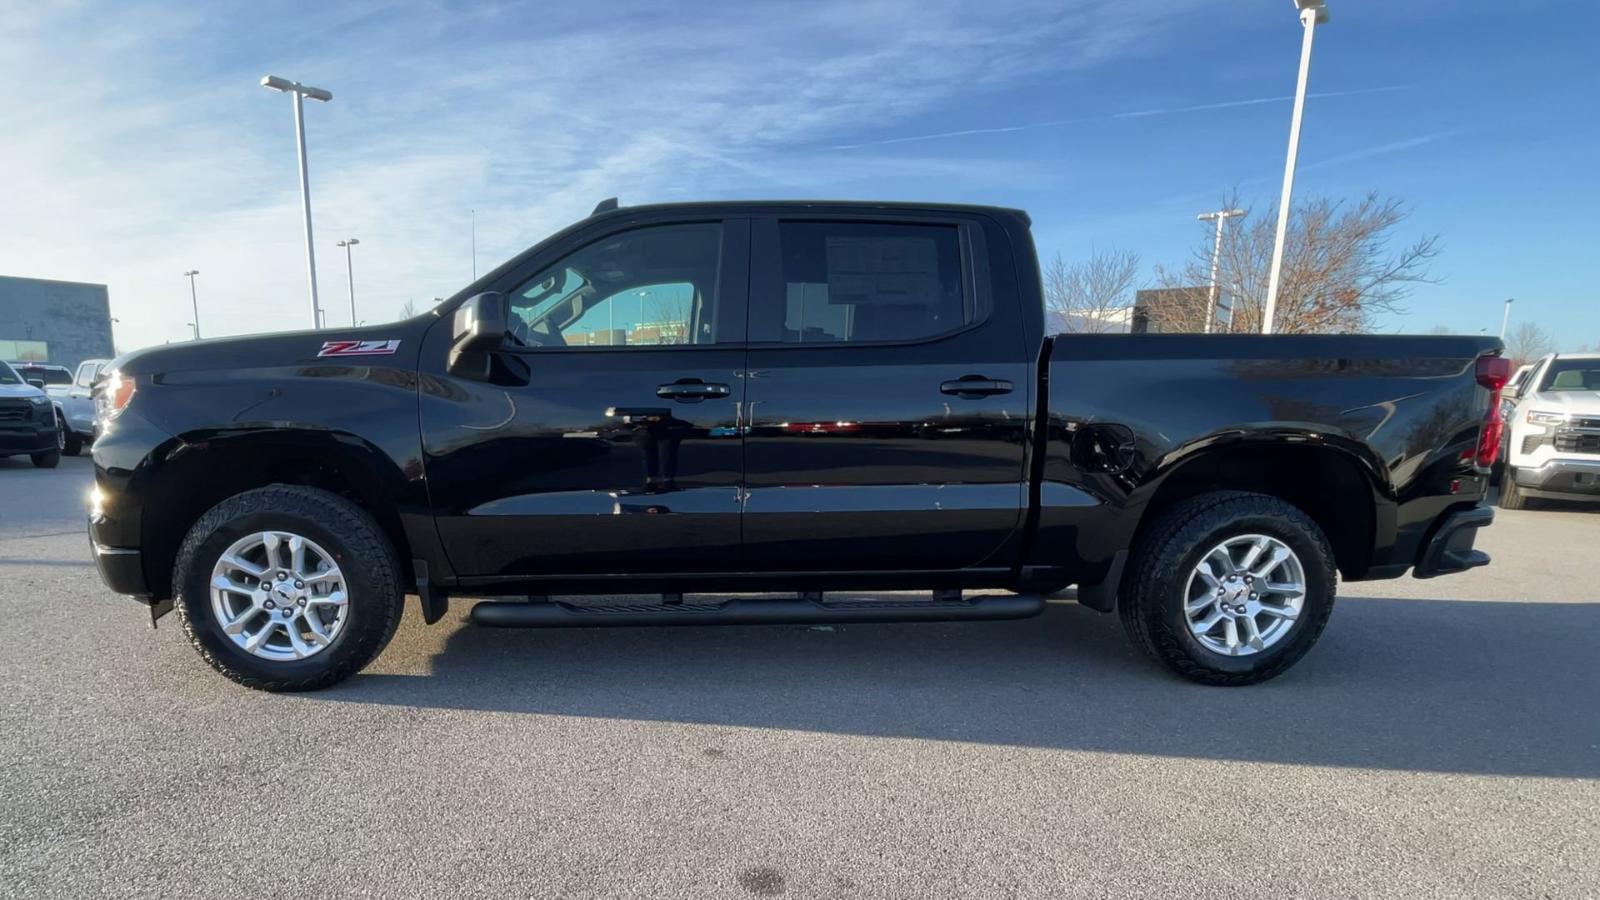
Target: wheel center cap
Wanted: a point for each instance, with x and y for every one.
(285, 594)
(1235, 593)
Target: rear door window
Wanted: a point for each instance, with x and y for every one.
(868, 282)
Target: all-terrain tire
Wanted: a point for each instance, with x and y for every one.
(49, 459)
(364, 555)
(1154, 589)
(72, 445)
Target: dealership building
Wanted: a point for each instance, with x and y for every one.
(56, 322)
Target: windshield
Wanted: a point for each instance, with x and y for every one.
(7, 375)
(1572, 375)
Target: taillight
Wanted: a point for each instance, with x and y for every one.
(1492, 372)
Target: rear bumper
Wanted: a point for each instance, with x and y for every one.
(1450, 549)
(1574, 479)
(29, 437)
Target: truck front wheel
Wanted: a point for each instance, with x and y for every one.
(1511, 495)
(287, 588)
(1229, 588)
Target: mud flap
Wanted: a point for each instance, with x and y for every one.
(435, 603)
(158, 609)
(1102, 595)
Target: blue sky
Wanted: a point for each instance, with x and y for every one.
(139, 144)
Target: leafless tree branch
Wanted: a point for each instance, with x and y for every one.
(1340, 269)
(1090, 296)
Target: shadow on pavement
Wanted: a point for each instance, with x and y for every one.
(1447, 686)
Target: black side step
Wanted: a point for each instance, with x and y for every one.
(783, 611)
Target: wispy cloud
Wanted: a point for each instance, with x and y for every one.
(1385, 148)
(1108, 117)
(148, 149)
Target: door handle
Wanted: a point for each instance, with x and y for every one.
(971, 387)
(691, 390)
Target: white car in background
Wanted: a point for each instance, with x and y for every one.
(1553, 432)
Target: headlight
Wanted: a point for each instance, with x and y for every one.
(1535, 417)
(39, 401)
(111, 396)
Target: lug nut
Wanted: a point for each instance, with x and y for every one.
(300, 585)
(283, 576)
(270, 605)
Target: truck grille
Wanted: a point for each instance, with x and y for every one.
(1586, 422)
(15, 410)
(1577, 442)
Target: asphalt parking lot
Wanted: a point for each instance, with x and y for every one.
(1442, 740)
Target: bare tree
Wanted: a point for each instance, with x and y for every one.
(1339, 268)
(409, 309)
(1527, 342)
(1090, 296)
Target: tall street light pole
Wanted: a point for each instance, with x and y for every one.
(1505, 319)
(195, 300)
(300, 92)
(1312, 14)
(1221, 216)
(350, 271)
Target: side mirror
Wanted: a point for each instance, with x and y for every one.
(36, 382)
(477, 331)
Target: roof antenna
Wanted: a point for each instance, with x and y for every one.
(606, 205)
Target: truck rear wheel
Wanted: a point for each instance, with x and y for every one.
(1229, 588)
(287, 588)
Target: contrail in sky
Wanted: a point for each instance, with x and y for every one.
(1131, 114)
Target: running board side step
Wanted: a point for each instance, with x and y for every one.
(789, 611)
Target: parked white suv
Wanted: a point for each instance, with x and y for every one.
(1553, 432)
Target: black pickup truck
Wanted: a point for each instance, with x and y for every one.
(776, 401)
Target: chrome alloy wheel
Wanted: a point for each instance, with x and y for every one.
(279, 596)
(1244, 595)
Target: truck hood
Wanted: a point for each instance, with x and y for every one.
(1584, 402)
(20, 390)
(369, 345)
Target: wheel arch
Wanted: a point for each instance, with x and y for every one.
(1337, 486)
(205, 470)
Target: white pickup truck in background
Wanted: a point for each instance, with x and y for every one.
(1553, 432)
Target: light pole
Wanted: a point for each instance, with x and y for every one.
(347, 243)
(194, 300)
(1312, 14)
(300, 92)
(1505, 319)
(1221, 216)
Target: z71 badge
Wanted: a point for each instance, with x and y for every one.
(358, 348)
